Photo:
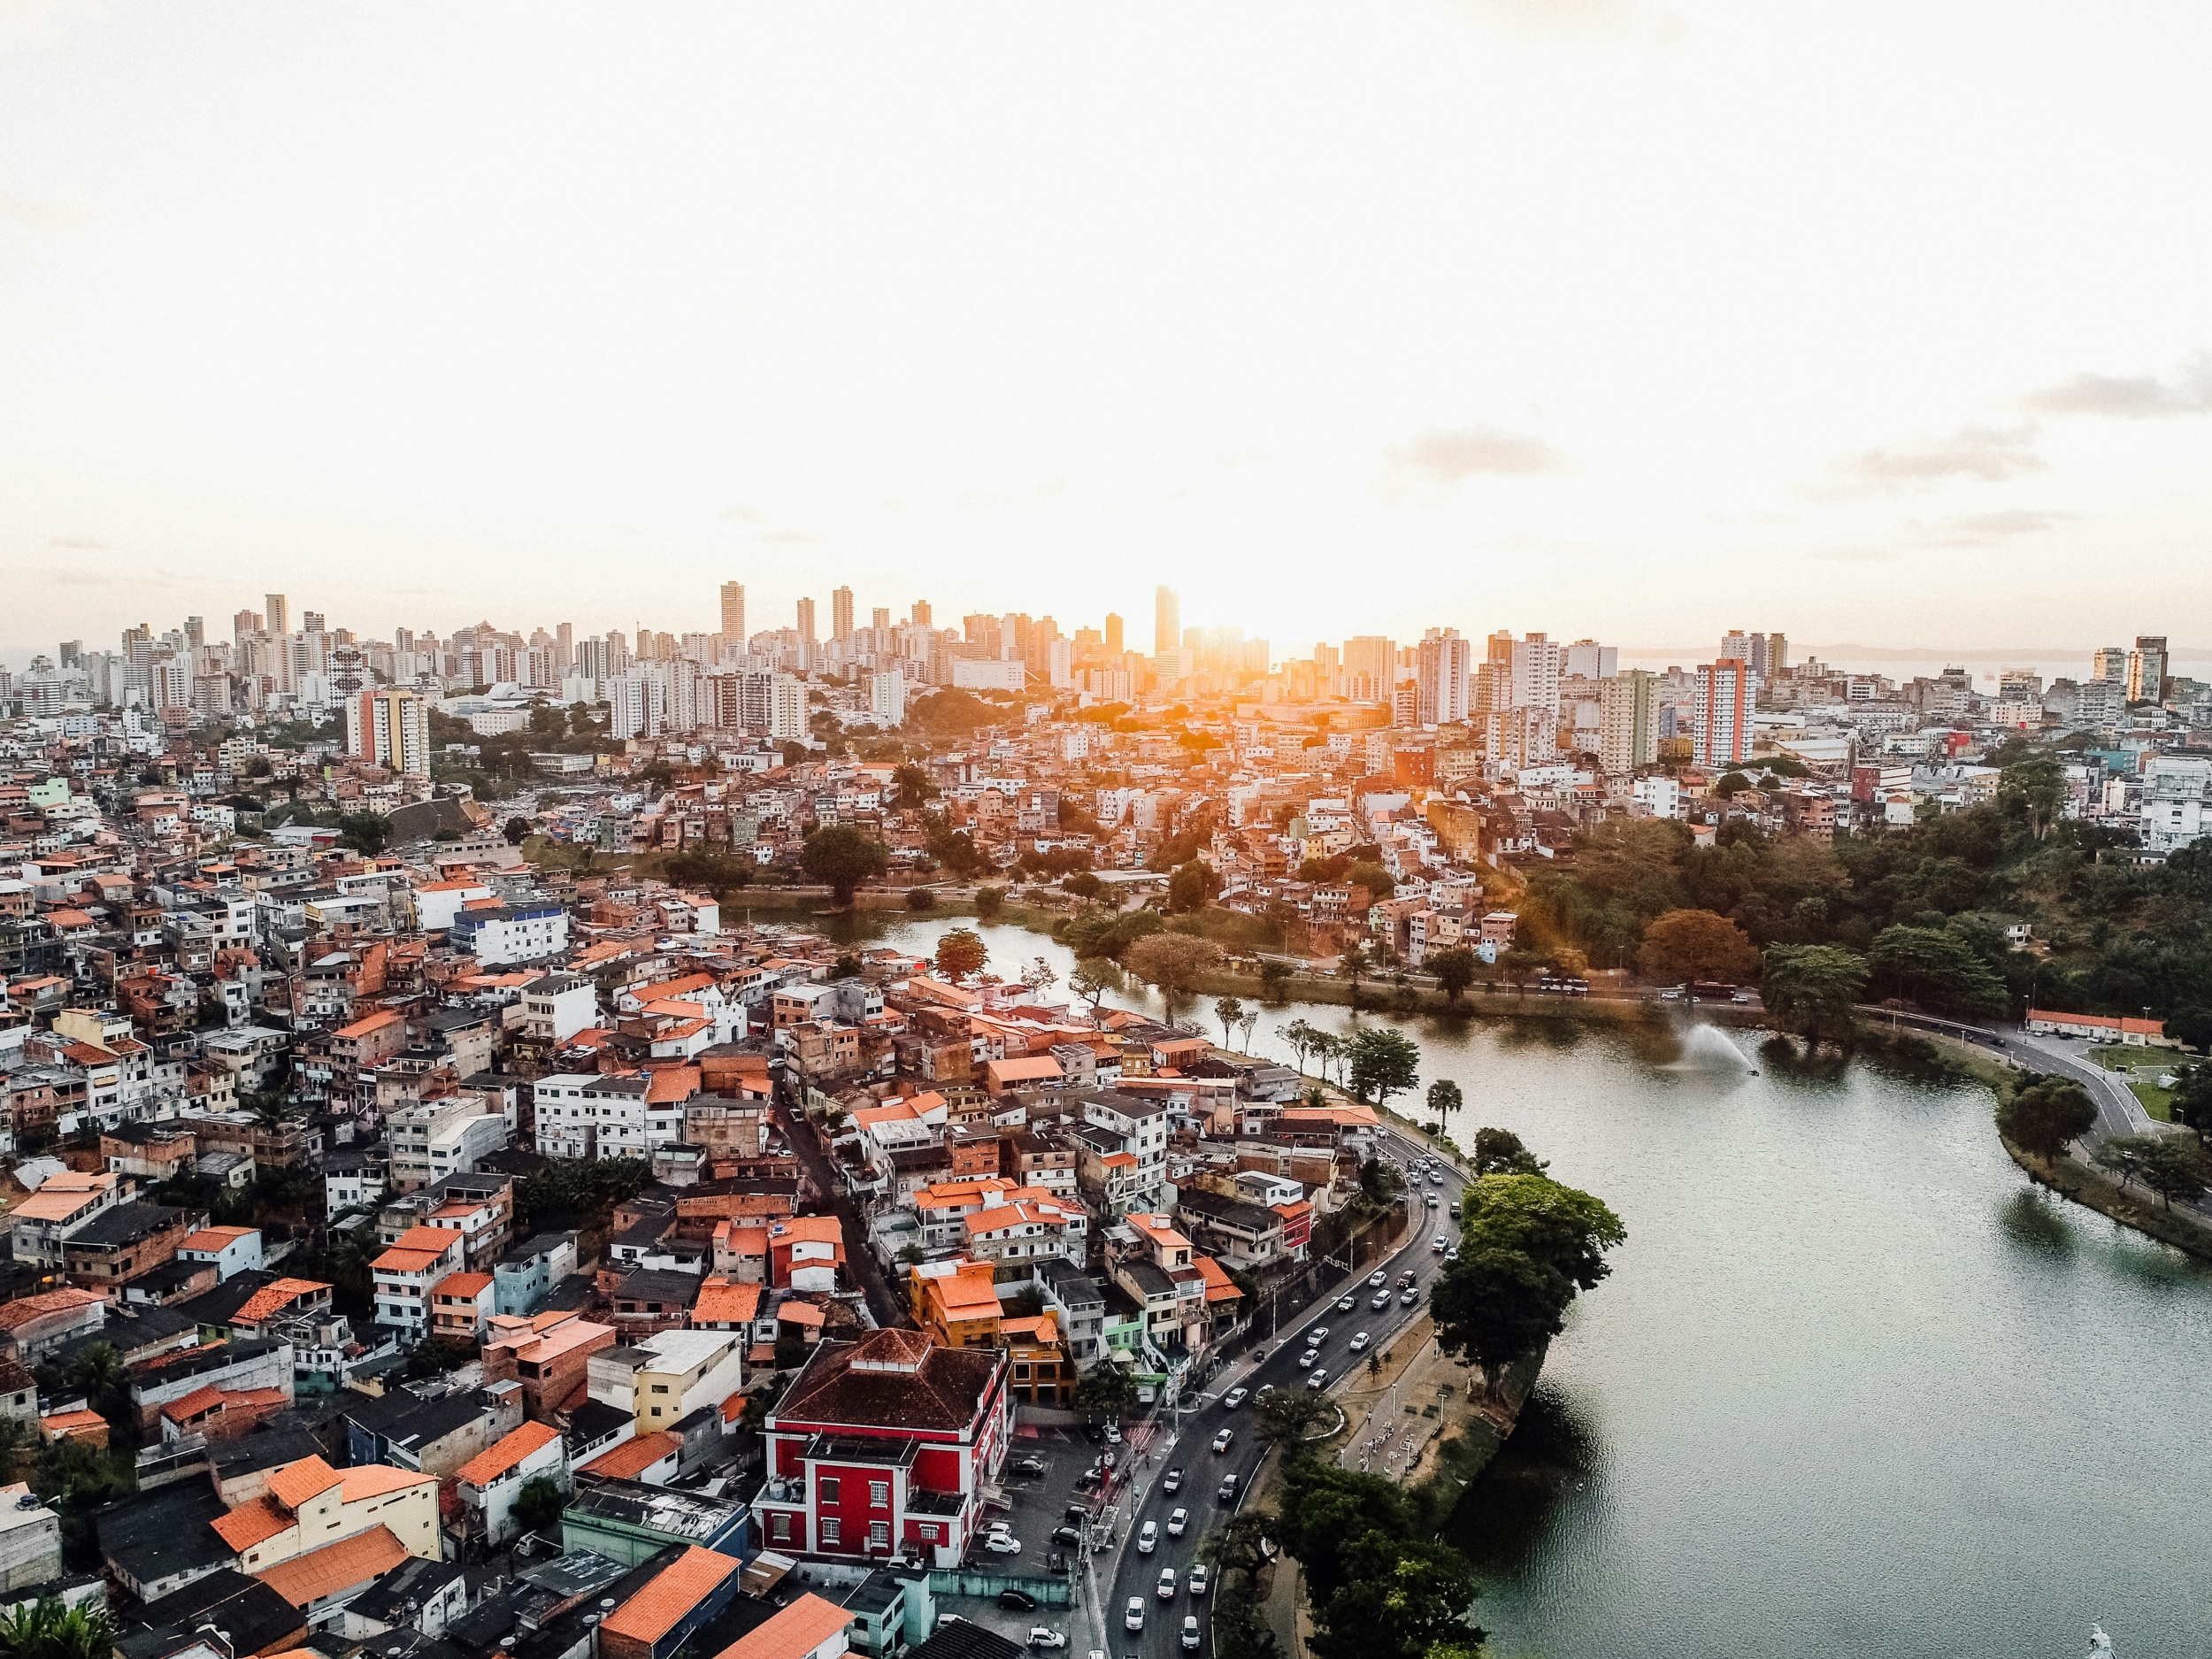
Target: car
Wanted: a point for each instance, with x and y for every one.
(1438, 1244)
(1001, 1543)
(1148, 1539)
(1078, 1513)
(1094, 1433)
(944, 1619)
(1319, 1379)
(1045, 1636)
(1431, 1201)
(1113, 1434)
(1407, 1277)
(1436, 1178)
(1455, 1212)
(1190, 1632)
(1235, 1398)
(1166, 1589)
(1452, 1255)
(1198, 1580)
(1411, 1294)
(1345, 1304)
(1227, 1489)
(1172, 1481)
(1177, 1522)
(1029, 1466)
(1107, 1460)
(1380, 1276)
(1019, 1601)
(1359, 1342)
(1224, 1440)
(1380, 1298)
(1133, 1619)
(1088, 1479)
(1316, 1337)
(1071, 1536)
(1308, 1358)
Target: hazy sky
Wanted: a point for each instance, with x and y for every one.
(1874, 322)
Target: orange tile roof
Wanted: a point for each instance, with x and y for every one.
(373, 1481)
(807, 1229)
(255, 1522)
(362, 1027)
(274, 1298)
(488, 1466)
(335, 1567)
(1219, 1287)
(721, 1301)
(462, 1285)
(793, 1633)
(799, 1313)
(296, 1483)
(215, 1238)
(672, 1083)
(23, 1310)
(67, 1422)
(634, 1457)
(191, 1405)
(44, 1206)
(1041, 1328)
(673, 1591)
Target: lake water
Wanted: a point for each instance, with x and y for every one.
(1854, 1390)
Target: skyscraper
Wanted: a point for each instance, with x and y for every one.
(840, 612)
(1589, 660)
(280, 613)
(244, 623)
(1628, 729)
(1167, 621)
(806, 621)
(733, 612)
(2147, 668)
(1727, 694)
(1536, 664)
(1113, 634)
(2109, 664)
(564, 644)
(390, 727)
(1370, 668)
(921, 613)
(1442, 663)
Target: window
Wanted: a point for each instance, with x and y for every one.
(827, 1489)
(878, 1494)
(660, 1387)
(878, 1534)
(778, 1527)
(829, 1531)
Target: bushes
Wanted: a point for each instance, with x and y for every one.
(921, 899)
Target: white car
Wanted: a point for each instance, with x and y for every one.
(1133, 1619)
(1001, 1543)
(1438, 1244)
(1166, 1589)
(1308, 1358)
(1345, 1304)
(1380, 1276)
(1235, 1398)
(1222, 1440)
(1177, 1522)
(1148, 1539)
(1190, 1632)
(1045, 1636)
(1359, 1342)
(1316, 1337)
(1113, 1434)
(1319, 1379)
(1198, 1580)
(1380, 1298)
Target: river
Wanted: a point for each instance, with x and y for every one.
(1854, 1390)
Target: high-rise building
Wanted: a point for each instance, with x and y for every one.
(2111, 663)
(1587, 659)
(879, 619)
(279, 612)
(1167, 621)
(1628, 721)
(1113, 634)
(564, 641)
(2146, 669)
(244, 623)
(1443, 664)
(920, 613)
(313, 622)
(1536, 664)
(1727, 694)
(887, 697)
(1370, 668)
(390, 727)
(840, 612)
(733, 612)
(806, 621)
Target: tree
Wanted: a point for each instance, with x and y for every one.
(961, 953)
(1038, 975)
(988, 902)
(1379, 883)
(2167, 1165)
(2192, 1097)
(1939, 968)
(1697, 945)
(1274, 979)
(518, 830)
(1402, 1595)
(1107, 1390)
(1173, 962)
(1501, 1152)
(538, 1505)
(847, 966)
(910, 786)
(1454, 970)
(1814, 990)
(1287, 1416)
(1495, 1305)
(921, 899)
(367, 833)
(842, 856)
(1093, 977)
(1383, 1062)
(50, 1628)
(1518, 963)
(2046, 1115)
(1083, 884)
(2031, 792)
(1444, 1099)
(1191, 885)
(1570, 962)
(1228, 1011)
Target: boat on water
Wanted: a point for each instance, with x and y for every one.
(2098, 1642)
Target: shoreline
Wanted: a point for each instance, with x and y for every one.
(2083, 1183)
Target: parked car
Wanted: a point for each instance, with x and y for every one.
(1224, 1440)
(1133, 1619)
(1198, 1580)
(1094, 1433)
(1319, 1379)
(1359, 1342)
(1235, 1398)
(1019, 1601)
(1113, 1433)
(1148, 1539)
(1166, 1589)
(1345, 1304)
(1071, 1536)
(1077, 1513)
(1029, 1466)
(1177, 1522)
(1088, 1479)
(1045, 1636)
(1227, 1489)
(1172, 1481)
(1001, 1543)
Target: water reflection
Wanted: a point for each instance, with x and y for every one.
(1504, 1522)
(2032, 1218)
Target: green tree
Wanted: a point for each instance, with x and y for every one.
(1275, 979)
(1501, 1152)
(1173, 962)
(1690, 944)
(367, 833)
(1191, 885)
(919, 899)
(2168, 1165)
(961, 953)
(1938, 968)
(1228, 1011)
(538, 1506)
(1454, 970)
(2031, 792)
(1287, 1416)
(1403, 1596)
(988, 902)
(1083, 884)
(1106, 1390)
(1093, 977)
(910, 786)
(1383, 1061)
(1444, 1099)
(2193, 1098)
(1814, 990)
(1379, 883)
(516, 831)
(1495, 1305)
(2046, 1115)
(842, 856)
(49, 1628)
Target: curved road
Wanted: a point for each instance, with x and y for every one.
(1115, 1575)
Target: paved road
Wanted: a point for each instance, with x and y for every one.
(1115, 1575)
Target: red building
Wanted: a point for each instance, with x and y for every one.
(882, 1446)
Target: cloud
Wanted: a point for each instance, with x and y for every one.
(1989, 455)
(738, 513)
(33, 212)
(42, 22)
(1436, 461)
(78, 544)
(1854, 555)
(1635, 25)
(796, 538)
(2130, 396)
(1980, 529)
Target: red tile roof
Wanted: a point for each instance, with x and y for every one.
(252, 1523)
(793, 1633)
(672, 1593)
(488, 1466)
(634, 1457)
(308, 1579)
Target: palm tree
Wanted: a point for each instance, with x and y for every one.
(47, 1629)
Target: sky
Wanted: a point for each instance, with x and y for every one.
(1880, 323)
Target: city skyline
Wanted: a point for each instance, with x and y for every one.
(1705, 388)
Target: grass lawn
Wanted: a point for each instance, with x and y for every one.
(2142, 1073)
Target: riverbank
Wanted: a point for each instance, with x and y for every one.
(2082, 1182)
